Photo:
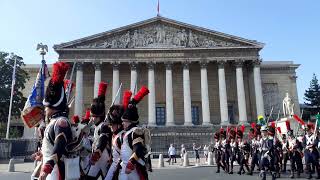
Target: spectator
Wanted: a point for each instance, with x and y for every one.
(196, 153)
(206, 152)
(172, 154)
(183, 151)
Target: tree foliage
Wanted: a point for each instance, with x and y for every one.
(312, 94)
(6, 71)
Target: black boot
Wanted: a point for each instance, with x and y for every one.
(273, 175)
(218, 169)
(292, 175)
(262, 175)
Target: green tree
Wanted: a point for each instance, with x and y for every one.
(6, 70)
(312, 95)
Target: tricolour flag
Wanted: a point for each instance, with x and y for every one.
(33, 111)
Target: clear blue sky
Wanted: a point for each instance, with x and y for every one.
(290, 28)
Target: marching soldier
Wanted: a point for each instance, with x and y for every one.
(58, 132)
(217, 151)
(255, 148)
(311, 154)
(114, 119)
(295, 154)
(243, 152)
(233, 150)
(266, 143)
(135, 141)
(101, 148)
(225, 145)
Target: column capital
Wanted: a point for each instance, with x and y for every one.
(221, 63)
(239, 63)
(133, 65)
(186, 64)
(79, 65)
(203, 64)
(168, 65)
(115, 64)
(257, 62)
(151, 65)
(97, 65)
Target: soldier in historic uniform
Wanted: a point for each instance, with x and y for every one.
(58, 131)
(267, 148)
(114, 120)
(233, 150)
(243, 152)
(101, 148)
(255, 137)
(134, 143)
(311, 154)
(217, 151)
(284, 153)
(295, 154)
(225, 146)
(86, 146)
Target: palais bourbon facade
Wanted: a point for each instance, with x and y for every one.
(198, 78)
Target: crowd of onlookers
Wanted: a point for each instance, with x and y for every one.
(196, 149)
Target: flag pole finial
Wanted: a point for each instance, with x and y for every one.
(158, 8)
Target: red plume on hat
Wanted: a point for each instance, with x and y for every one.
(75, 119)
(141, 94)
(59, 70)
(102, 89)
(253, 125)
(87, 115)
(243, 128)
(221, 130)
(126, 98)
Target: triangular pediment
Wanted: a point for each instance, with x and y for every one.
(158, 32)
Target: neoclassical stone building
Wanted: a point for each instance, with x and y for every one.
(197, 77)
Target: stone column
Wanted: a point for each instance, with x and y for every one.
(205, 94)
(151, 96)
(133, 81)
(115, 81)
(79, 91)
(169, 96)
(258, 88)
(186, 95)
(241, 94)
(223, 94)
(97, 78)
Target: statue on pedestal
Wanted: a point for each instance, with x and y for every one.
(287, 106)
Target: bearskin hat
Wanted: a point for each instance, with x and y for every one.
(98, 107)
(55, 96)
(232, 134)
(115, 113)
(216, 135)
(86, 118)
(271, 131)
(239, 134)
(131, 111)
(310, 126)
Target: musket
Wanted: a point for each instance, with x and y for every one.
(114, 100)
(69, 87)
(270, 115)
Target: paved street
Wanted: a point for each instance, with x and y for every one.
(168, 173)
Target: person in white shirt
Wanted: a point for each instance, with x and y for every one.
(172, 154)
(183, 151)
(206, 151)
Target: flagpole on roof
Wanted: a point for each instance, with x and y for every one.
(11, 97)
(158, 9)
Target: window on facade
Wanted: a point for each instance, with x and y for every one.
(231, 114)
(160, 115)
(195, 115)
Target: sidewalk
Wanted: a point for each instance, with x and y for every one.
(29, 166)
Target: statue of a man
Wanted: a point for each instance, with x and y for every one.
(287, 106)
